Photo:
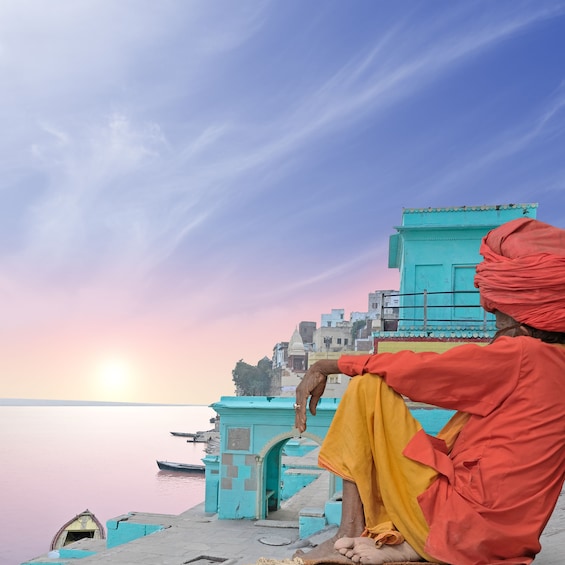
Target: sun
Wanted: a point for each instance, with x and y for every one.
(115, 376)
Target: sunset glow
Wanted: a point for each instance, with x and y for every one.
(114, 377)
(182, 183)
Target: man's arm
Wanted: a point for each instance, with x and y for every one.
(312, 385)
(469, 377)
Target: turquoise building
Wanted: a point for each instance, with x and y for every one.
(254, 430)
(436, 251)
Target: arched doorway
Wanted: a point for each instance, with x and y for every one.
(270, 474)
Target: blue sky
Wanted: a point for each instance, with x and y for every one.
(182, 182)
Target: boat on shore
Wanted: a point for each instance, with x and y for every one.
(83, 525)
(183, 467)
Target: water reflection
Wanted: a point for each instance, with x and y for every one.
(57, 461)
(180, 475)
(187, 486)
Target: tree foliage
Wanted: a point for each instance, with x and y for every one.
(356, 327)
(252, 380)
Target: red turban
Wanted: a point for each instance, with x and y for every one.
(523, 273)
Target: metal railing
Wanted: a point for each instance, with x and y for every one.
(425, 310)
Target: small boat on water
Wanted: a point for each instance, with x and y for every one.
(83, 525)
(184, 467)
(183, 434)
(197, 437)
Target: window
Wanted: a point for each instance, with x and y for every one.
(339, 340)
(334, 379)
(345, 341)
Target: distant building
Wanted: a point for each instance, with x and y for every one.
(306, 331)
(333, 338)
(296, 353)
(290, 361)
(333, 319)
(280, 358)
(383, 306)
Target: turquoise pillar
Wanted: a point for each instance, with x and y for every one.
(212, 474)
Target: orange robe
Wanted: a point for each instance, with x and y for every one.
(498, 486)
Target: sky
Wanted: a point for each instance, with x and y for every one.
(182, 182)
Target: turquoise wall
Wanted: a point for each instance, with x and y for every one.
(432, 419)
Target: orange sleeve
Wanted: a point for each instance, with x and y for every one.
(470, 377)
(353, 364)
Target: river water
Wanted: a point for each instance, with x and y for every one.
(56, 461)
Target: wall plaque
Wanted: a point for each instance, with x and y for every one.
(239, 439)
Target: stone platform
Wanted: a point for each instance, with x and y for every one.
(199, 538)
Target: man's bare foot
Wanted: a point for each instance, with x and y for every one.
(323, 553)
(364, 551)
(351, 525)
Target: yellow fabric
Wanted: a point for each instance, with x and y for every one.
(364, 445)
(450, 431)
(384, 534)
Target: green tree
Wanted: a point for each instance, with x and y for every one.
(356, 327)
(252, 380)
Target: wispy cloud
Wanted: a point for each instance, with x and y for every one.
(135, 182)
(192, 178)
(542, 128)
(367, 84)
(339, 271)
(397, 67)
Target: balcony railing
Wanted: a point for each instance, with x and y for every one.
(427, 310)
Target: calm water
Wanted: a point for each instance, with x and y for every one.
(57, 461)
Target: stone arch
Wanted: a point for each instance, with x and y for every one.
(268, 466)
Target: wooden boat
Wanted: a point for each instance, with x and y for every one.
(83, 525)
(184, 467)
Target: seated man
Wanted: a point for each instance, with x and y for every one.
(482, 491)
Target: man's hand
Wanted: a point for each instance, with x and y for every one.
(312, 385)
